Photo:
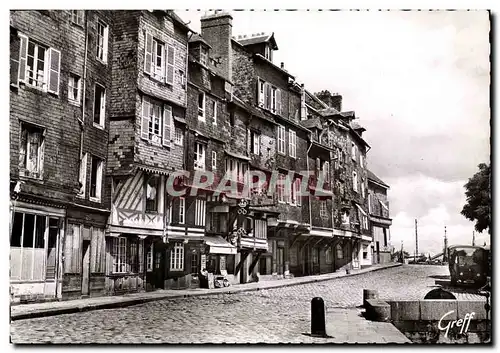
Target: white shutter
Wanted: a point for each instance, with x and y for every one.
(267, 88)
(290, 142)
(103, 107)
(54, 70)
(105, 44)
(145, 119)
(169, 77)
(23, 55)
(278, 101)
(83, 174)
(148, 52)
(167, 125)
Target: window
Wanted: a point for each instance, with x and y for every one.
(199, 156)
(179, 136)
(345, 218)
(328, 256)
(281, 187)
(315, 255)
(99, 105)
(361, 160)
(119, 254)
(199, 213)
(177, 257)
(295, 193)
(355, 181)
(362, 185)
(273, 99)
(95, 179)
(203, 55)
(385, 236)
(214, 160)
(159, 59)
(369, 202)
(214, 110)
(255, 142)
(260, 229)
(260, 93)
(157, 123)
(353, 151)
(31, 151)
(323, 210)
(182, 210)
(236, 169)
(102, 41)
(74, 83)
(77, 17)
(201, 106)
(27, 246)
(39, 66)
(364, 220)
(281, 139)
(82, 179)
(195, 259)
(326, 172)
(292, 144)
(268, 53)
(152, 192)
(365, 252)
(340, 252)
(182, 76)
(149, 259)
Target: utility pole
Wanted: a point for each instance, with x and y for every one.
(445, 258)
(473, 239)
(416, 241)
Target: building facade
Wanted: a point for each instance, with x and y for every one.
(136, 147)
(378, 206)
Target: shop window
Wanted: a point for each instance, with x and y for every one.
(119, 254)
(315, 256)
(328, 256)
(177, 257)
(27, 247)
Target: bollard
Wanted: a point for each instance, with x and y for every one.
(318, 326)
(369, 294)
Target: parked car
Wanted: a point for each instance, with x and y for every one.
(469, 265)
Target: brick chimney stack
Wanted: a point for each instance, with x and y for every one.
(217, 30)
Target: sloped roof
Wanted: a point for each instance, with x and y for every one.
(256, 39)
(198, 38)
(373, 177)
(328, 111)
(355, 126)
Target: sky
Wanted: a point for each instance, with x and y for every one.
(419, 83)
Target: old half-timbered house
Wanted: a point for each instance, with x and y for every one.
(147, 113)
(59, 125)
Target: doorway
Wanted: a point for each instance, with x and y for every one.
(158, 273)
(280, 260)
(86, 268)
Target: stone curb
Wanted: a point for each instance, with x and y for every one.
(136, 301)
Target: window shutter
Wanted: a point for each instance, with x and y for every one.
(148, 54)
(83, 174)
(54, 70)
(167, 125)
(268, 95)
(290, 142)
(105, 44)
(103, 107)
(278, 101)
(258, 92)
(170, 64)
(23, 55)
(22, 147)
(145, 119)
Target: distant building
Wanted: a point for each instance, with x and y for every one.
(378, 206)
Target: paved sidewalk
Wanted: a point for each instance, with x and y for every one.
(25, 311)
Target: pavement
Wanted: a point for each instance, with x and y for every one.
(265, 313)
(25, 311)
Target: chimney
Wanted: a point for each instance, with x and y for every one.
(283, 65)
(217, 29)
(336, 102)
(303, 108)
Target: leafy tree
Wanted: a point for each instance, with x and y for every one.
(478, 192)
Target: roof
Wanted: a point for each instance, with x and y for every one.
(316, 99)
(179, 21)
(373, 177)
(349, 114)
(355, 126)
(329, 111)
(257, 38)
(198, 38)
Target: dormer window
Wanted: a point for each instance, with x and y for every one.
(203, 55)
(268, 53)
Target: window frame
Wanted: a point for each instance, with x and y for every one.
(200, 151)
(214, 160)
(255, 143)
(323, 209)
(339, 252)
(25, 165)
(182, 210)
(102, 108)
(292, 143)
(214, 112)
(99, 179)
(75, 101)
(102, 50)
(147, 179)
(179, 136)
(75, 15)
(202, 109)
(177, 257)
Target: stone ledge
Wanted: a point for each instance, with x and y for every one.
(435, 309)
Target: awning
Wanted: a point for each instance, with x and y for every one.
(219, 246)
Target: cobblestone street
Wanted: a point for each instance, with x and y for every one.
(268, 316)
